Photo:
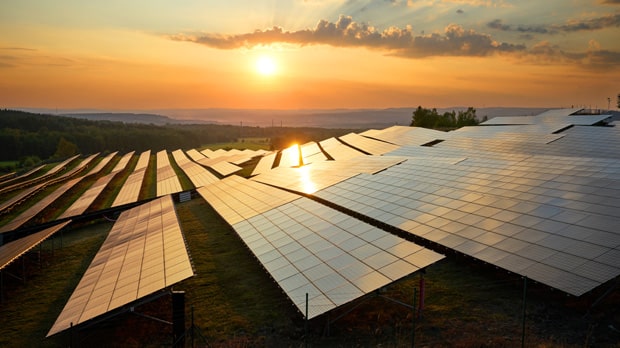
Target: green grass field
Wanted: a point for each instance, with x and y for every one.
(242, 144)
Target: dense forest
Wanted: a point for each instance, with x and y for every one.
(430, 118)
(28, 137)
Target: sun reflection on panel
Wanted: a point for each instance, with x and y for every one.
(307, 183)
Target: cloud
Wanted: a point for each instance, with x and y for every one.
(459, 11)
(608, 21)
(610, 2)
(594, 57)
(455, 41)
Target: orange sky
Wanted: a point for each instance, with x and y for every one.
(326, 54)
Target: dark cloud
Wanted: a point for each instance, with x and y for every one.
(608, 21)
(455, 41)
(610, 2)
(459, 11)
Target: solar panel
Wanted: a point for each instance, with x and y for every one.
(195, 155)
(103, 163)
(316, 176)
(122, 163)
(8, 180)
(339, 151)
(198, 175)
(309, 248)
(60, 166)
(11, 251)
(265, 164)
(130, 190)
(402, 135)
(237, 199)
(143, 253)
(35, 209)
(225, 168)
(167, 180)
(87, 198)
(475, 207)
(368, 145)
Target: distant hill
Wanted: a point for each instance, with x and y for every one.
(333, 118)
(131, 118)
(323, 118)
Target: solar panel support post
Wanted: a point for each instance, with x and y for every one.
(523, 313)
(413, 315)
(178, 318)
(306, 324)
(1, 286)
(24, 269)
(422, 288)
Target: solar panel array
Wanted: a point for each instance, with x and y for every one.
(557, 116)
(13, 250)
(18, 178)
(555, 224)
(368, 145)
(143, 253)
(87, 198)
(130, 190)
(43, 203)
(311, 152)
(59, 167)
(309, 248)
(225, 168)
(313, 177)
(198, 175)
(167, 180)
(339, 151)
(402, 135)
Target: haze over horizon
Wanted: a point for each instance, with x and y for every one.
(309, 54)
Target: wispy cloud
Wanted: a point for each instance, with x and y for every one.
(455, 41)
(608, 21)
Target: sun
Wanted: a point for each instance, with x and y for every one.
(266, 66)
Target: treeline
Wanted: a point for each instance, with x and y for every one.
(25, 135)
(428, 118)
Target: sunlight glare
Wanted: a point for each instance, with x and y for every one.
(308, 185)
(266, 66)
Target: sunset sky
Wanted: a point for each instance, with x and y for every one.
(292, 54)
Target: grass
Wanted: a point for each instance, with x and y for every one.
(109, 193)
(149, 183)
(186, 183)
(30, 309)
(242, 144)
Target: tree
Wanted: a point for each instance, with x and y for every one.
(65, 149)
(450, 119)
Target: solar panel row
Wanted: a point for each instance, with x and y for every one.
(144, 252)
(13, 250)
(198, 175)
(309, 248)
(167, 180)
(130, 190)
